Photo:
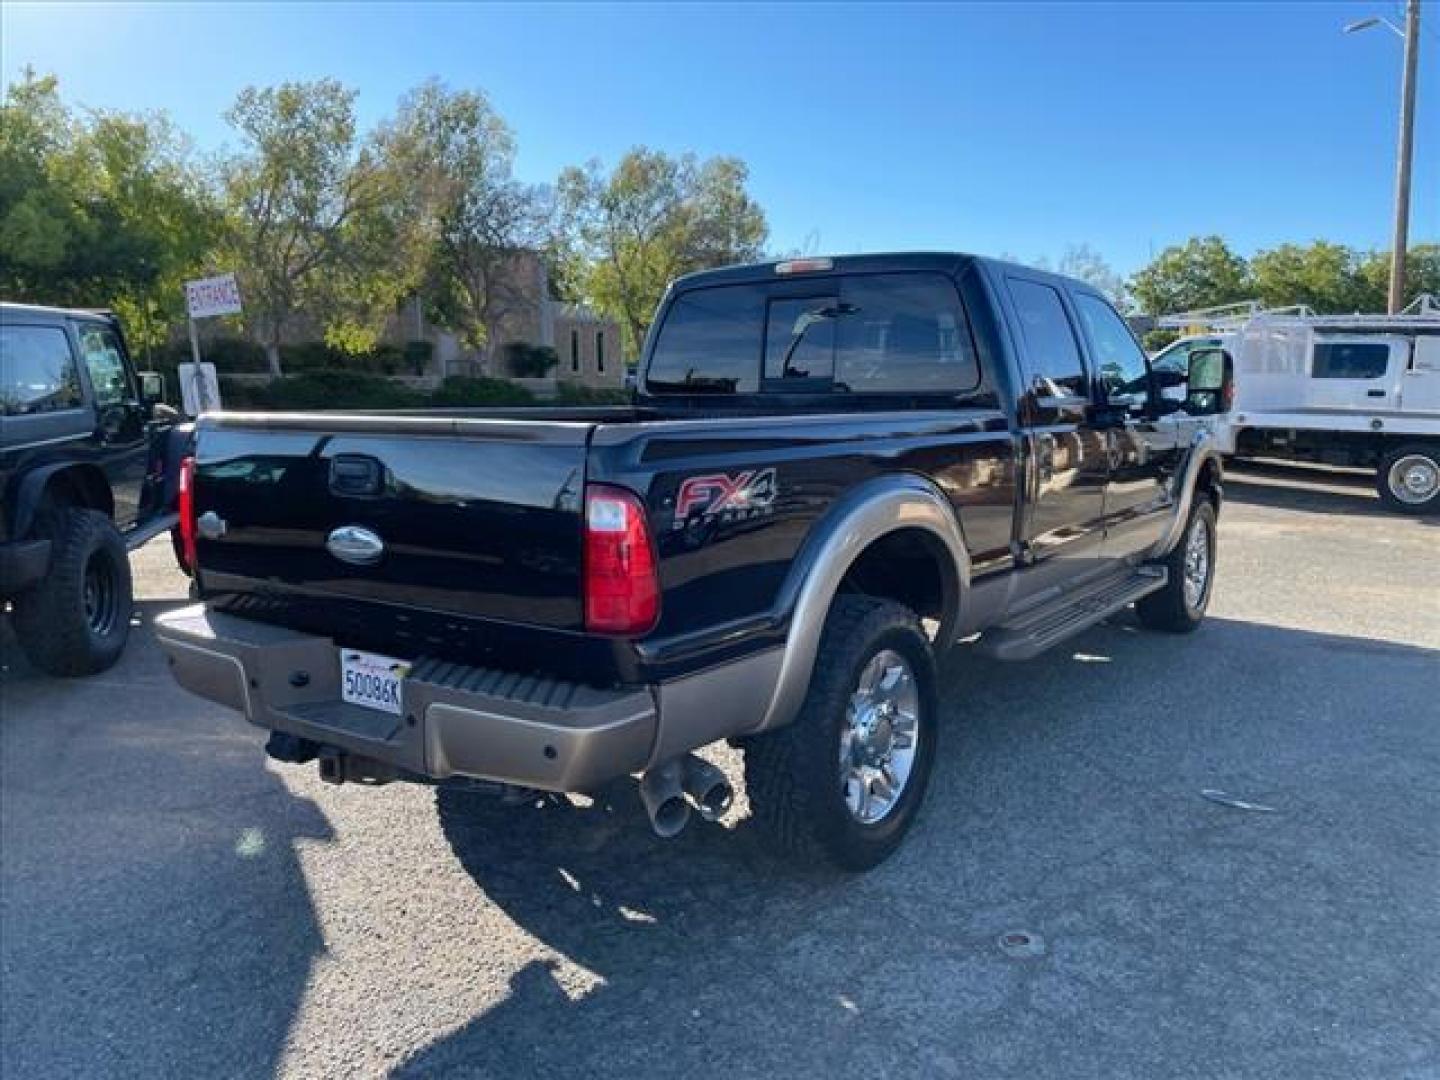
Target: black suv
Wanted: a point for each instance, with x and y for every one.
(88, 468)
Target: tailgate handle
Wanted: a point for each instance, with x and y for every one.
(356, 475)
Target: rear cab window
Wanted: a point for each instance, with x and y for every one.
(903, 332)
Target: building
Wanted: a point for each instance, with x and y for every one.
(587, 345)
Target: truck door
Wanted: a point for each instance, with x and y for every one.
(119, 417)
(1143, 442)
(1068, 464)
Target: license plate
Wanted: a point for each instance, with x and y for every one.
(372, 680)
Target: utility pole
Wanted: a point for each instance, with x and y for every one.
(1402, 166)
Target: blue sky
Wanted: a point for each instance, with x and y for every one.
(1019, 128)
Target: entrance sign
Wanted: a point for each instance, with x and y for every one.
(204, 299)
(210, 296)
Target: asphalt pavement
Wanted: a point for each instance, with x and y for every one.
(1070, 904)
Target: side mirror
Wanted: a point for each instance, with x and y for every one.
(1208, 370)
(152, 387)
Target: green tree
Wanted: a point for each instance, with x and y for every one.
(652, 219)
(1323, 275)
(458, 154)
(98, 209)
(317, 219)
(1422, 275)
(1203, 272)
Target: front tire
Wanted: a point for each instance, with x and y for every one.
(1409, 479)
(1180, 606)
(76, 620)
(843, 783)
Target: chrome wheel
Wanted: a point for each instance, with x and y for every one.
(1414, 479)
(881, 735)
(1197, 564)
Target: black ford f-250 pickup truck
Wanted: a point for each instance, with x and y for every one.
(832, 470)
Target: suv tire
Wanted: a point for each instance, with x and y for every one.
(868, 725)
(76, 620)
(1409, 479)
(1180, 606)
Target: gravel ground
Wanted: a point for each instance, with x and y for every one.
(172, 905)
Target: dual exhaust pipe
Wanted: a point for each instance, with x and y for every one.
(669, 789)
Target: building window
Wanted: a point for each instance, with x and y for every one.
(574, 350)
(600, 351)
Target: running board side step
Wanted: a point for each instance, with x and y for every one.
(1032, 632)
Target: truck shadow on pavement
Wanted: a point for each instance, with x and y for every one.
(1321, 491)
(1066, 802)
(156, 919)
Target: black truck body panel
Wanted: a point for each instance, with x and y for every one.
(1007, 490)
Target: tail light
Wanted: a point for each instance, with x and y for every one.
(187, 513)
(622, 593)
(1227, 394)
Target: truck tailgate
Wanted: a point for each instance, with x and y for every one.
(476, 518)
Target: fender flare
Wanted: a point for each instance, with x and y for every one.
(31, 491)
(1202, 449)
(871, 511)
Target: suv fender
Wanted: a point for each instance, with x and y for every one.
(871, 511)
(91, 482)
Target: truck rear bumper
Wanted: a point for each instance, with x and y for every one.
(457, 720)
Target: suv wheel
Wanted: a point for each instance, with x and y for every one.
(842, 784)
(1180, 606)
(1409, 479)
(76, 620)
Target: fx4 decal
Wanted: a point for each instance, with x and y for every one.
(725, 497)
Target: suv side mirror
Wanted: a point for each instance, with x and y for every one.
(152, 387)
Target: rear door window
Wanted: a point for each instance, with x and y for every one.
(1051, 351)
(37, 371)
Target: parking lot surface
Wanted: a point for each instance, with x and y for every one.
(173, 905)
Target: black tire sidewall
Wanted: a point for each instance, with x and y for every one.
(856, 845)
(51, 623)
(1206, 513)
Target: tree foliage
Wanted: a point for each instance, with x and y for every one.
(651, 219)
(458, 154)
(1328, 277)
(318, 219)
(1203, 272)
(98, 209)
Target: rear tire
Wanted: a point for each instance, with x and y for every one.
(76, 620)
(1180, 606)
(804, 780)
(1408, 479)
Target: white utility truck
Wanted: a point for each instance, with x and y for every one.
(1345, 390)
